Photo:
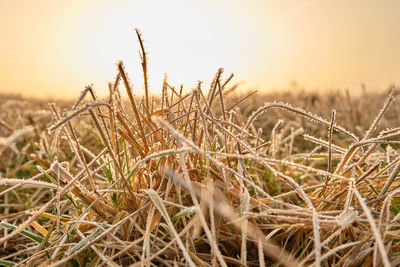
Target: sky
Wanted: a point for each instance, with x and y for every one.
(55, 48)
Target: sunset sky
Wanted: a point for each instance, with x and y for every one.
(55, 48)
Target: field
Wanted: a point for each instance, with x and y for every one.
(210, 177)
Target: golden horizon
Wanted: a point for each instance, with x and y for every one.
(56, 49)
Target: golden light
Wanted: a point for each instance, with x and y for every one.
(55, 48)
(187, 41)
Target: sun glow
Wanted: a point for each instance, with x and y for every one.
(55, 48)
(187, 41)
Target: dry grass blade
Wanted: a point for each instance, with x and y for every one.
(74, 114)
(161, 208)
(299, 111)
(374, 228)
(25, 183)
(101, 208)
(133, 102)
(386, 105)
(390, 180)
(143, 57)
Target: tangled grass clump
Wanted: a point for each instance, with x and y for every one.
(186, 179)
